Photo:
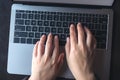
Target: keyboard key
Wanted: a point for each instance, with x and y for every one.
(104, 27)
(62, 18)
(75, 18)
(69, 18)
(97, 26)
(101, 33)
(95, 20)
(33, 22)
(23, 40)
(66, 30)
(104, 20)
(100, 20)
(19, 28)
(27, 11)
(18, 15)
(102, 45)
(93, 32)
(49, 17)
(63, 37)
(40, 23)
(82, 19)
(24, 16)
(20, 34)
(65, 14)
(46, 23)
(36, 12)
(41, 29)
(58, 24)
(47, 29)
(29, 41)
(65, 24)
(62, 43)
(52, 23)
(43, 17)
(33, 12)
(34, 29)
(31, 34)
(60, 30)
(53, 30)
(56, 17)
(16, 40)
(60, 13)
(19, 22)
(28, 28)
(37, 16)
(44, 12)
(37, 35)
(88, 19)
(27, 22)
(30, 16)
(21, 11)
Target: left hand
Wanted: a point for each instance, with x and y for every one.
(47, 60)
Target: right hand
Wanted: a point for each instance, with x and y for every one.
(79, 52)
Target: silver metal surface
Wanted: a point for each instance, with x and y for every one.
(20, 55)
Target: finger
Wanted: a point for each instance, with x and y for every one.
(67, 47)
(60, 60)
(95, 43)
(90, 40)
(73, 39)
(35, 49)
(81, 35)
(56, 48)
(48, 47)
(41, 46)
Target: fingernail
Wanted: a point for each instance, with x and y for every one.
(67, 39)
(71, 25)
(43, 35)
(79, 24)
(50, 34)
(37, 42)
(56, 37)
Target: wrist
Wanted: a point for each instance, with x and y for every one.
(86, 76)
(35, 77)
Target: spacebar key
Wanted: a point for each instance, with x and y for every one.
(20, 34)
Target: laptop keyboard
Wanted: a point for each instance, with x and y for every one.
(30, 25)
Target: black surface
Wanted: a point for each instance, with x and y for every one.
(5, 7)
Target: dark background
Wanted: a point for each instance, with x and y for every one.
(5, 7)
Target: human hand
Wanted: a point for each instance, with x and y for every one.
(46, 61)
(80, 51)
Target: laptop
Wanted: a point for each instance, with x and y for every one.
(28, 22)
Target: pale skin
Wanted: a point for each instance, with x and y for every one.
(79, 50)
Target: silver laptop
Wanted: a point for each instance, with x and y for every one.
(29, 22)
